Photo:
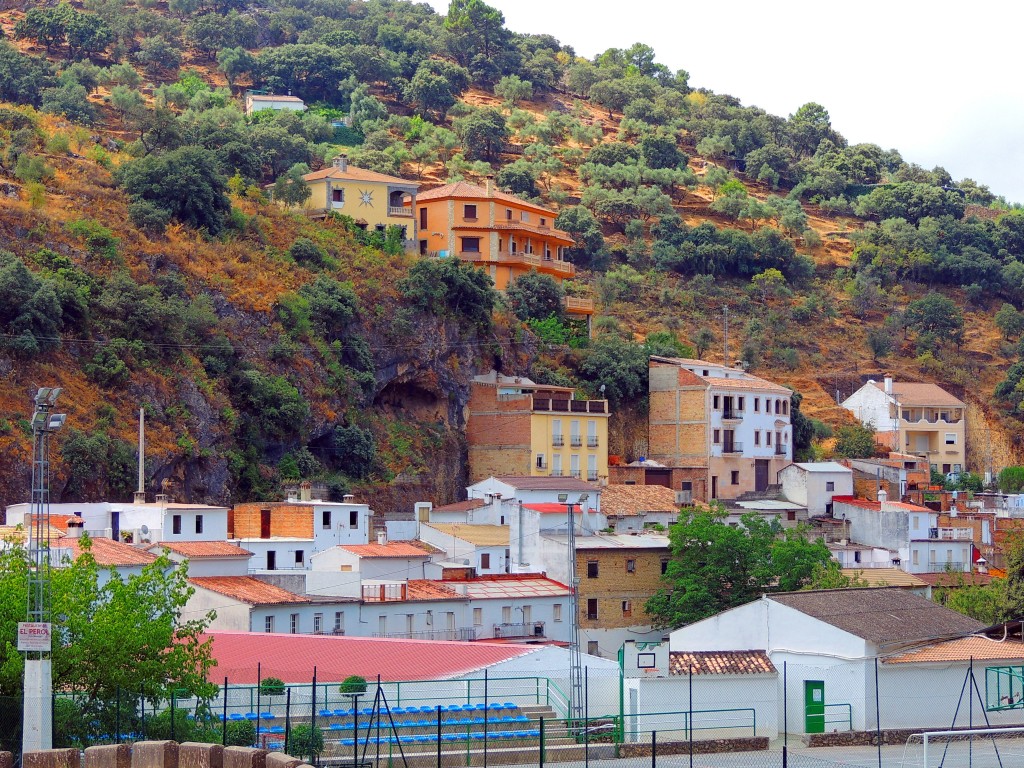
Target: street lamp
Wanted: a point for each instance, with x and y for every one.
(575, 663)
(34, 635)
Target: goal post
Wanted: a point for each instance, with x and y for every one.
(978, 747)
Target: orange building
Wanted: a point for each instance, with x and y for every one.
(498, 232)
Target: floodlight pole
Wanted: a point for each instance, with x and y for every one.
(575, 663)
(38, 731)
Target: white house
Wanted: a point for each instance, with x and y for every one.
(256, 102)
(828, 641)
(279, 553)
(531, 522)
(631, 508)
(534, 490)
(813, 484)
(207, 558)
(111, 556)
(355, 568)
(850, 554)
(483, 547)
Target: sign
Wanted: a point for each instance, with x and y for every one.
(33, 636)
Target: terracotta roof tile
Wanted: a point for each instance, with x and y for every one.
(391, 549)
(463, 190)
(625, 500)
(946, 579)
(292, 657)
(885, 577)
(720, 663)
(246, 589)
(976, 647)
(912, 393)
(356, 174)
(752, 382)
(18, 533)
(462, 506)
(199, 549)
(427, 589)
(107, 552)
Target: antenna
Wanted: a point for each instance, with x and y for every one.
(140, 492)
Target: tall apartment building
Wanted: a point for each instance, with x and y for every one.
(916, 418)
(518, 427)
(729, 422)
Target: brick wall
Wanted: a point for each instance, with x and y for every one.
(285, 520)
(615, 584)
(497, 433)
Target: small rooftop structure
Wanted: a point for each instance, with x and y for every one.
(624, 500)
(720, 663)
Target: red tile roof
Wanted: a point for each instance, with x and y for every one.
(946, 579)
(855, 502)
(199, 549)
(246, 589)
(720, 663)
(463, 190)
(624, 500)
(551, 508)
(356, 174)
(976, 647)
(426, 589)
(391, 549)
(107, 552)
(912, 393)
(292, 657)
(462, 506)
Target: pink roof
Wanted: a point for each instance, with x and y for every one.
(391, 549)
(293, 657)
(549, 508)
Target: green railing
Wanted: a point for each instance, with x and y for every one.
(687, 723)
(842, 714)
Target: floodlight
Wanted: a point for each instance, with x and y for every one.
(57, 421)
(584, 497)
(42, 395)
(39, 420)
(563, 497)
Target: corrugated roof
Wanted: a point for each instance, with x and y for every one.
(547, 483)
(480, 535)
(552, 508)
(976, 647)
(720, 663)
(619, 541)
(292, 657)
(271, 97)
(107, 552)
(881, 615)
(462, 506)
(914, 393)
(885, 577)
(351, 173)
(200, 549)
(625, 500)
(246, 589)
(391, 549)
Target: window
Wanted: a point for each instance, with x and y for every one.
(757, 437)
(469, 212)
(856, 556)
(540, 461)
(410, 622)
(574, 465)
(592, 569)
(556, 612)
(556, 465)
(949, 555)
(914, 557)
(785, 407)
(527, 614)
(627, 608)
(768, 438)
(423, 218)
(318, 623)
(592, 467)
(268, 624)
(353, 518)
(716, 402)
(471, 245)
(739, 403)
(591, 433)
(339, 622)
(716, 436)
(664, 566)
(176, 524)
(757, 405)
(485, 560)
(704, 372)
(478, 617)
(506, 614)
(382, 626)
(271, 560)
(524, 216)
(592, 648)
(346, 568)
(631, 566)
(914, 522)
(735, 477)
(508, 214)
(300, 555)
(592, 608)
(830, 486)
(951, 438)
(199, 523)
(326, 519)
(293, 625)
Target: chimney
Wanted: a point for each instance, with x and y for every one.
(341, 162)
(348, 498)
(305, 491)
(382, 537)
(888, 385)
(882, 496)
(75, 526)
(490, 185)
(162, 498)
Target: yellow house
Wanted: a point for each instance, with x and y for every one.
(518, 427)
(372, 199)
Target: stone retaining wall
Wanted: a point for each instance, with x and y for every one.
(867, 738)
(156, 754)
(704, 746)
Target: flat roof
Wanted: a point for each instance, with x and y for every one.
(480, 535)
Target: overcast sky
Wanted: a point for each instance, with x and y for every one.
(938, 81)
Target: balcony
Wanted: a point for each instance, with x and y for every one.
(946, 565)
(592, 475)
(730, 414)
(577, 306)
(549, 266)
(530, 629)
(575, 441)
(463, 634)
(780, 450)
(400, 210)
(557, 441)
(575, 473)
(732, 447)
(556, 473)
(951, 534)
(591, 441)
(569, 406)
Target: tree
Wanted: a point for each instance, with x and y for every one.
(184, 183)
(716, 566)
(518, 178)
(291, 188)
(483, 133)
(769, 283)
(157, 56)
(830, 576)
(1009, 321)
(436, 86)
(513, 90)
(306, 741)
(534, 296)
(703, 341)
(666, 344)
(880, 342)
(451, 288)
(855, 441)
(235, 62)
(619, 365)
(474, 29)
(22, 78)
(585, 230)
(353, 684)
(936, 314)
(1011, 480)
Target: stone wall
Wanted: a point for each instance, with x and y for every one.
(155, 754)
(702, 747)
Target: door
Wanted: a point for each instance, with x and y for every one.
(658, 477)
(264, 523)
(115, 526)
(761, 474)
(714, 486)
(814, 706)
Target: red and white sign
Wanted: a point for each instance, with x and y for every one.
(33, 636)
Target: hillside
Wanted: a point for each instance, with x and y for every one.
(267, 347)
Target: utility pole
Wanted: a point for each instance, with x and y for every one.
(140, 490)
(725, 312)
(576, 704)
(34, 635)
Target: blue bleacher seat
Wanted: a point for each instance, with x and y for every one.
(476, 735)
(350, 742)
(336, 727)
(267, 716)
(341, 713)
(410, 739)
(495, 705)
(521, 719)
(263, 729)
(511, 705)
(325, 713)
(535, 732)
(432, 709)
(277, 729)
(275, 745)
(450, 737)
(235, 716)
(452, 708)
(422, 738)
(250, 716)
(467, 707)
(480, 707)
(366, 711)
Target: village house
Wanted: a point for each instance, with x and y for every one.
(497, 232)
(206, 558)
(518, 427)
(814, 484)
(921, 419)
(732, 424)
(482, 547)
(689, 483)
(257, 102)
(111, 556)
(632, 508)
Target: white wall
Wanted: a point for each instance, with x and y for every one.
(810, 489)
(285, 550)
(509, 493)
(232, 615)
(743, 431)
(871, 405)
(211, 566)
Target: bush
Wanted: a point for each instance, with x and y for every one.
(1011, 480)
(149, 217)
(306, 741)
(534, 296)
(271, 686)
(855, 442)
(305, 251)
(353, 684)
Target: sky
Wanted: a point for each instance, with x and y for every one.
(938, 81)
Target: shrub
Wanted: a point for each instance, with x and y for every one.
(305, 251)
(271, 686)
(353, 684)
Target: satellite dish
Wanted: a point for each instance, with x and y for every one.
(144, 530)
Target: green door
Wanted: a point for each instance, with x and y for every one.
(814, 706)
